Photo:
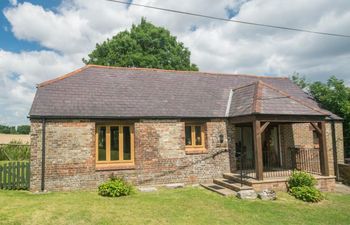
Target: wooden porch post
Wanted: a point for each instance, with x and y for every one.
(323, 148)
(258, 149)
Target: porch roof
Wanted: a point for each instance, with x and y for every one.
(262, 98)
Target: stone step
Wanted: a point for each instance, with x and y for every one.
(230, 184)
(219, 189)
(236, 178)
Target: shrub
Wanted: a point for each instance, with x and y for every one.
(115, 187)
(15, 151)
(301, 179)
(307, 194)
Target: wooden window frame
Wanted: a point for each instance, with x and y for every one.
(121, 162)
(193, 147)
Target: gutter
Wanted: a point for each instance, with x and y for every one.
(43, 152)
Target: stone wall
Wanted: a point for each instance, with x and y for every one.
(160, 155)
(344, 173)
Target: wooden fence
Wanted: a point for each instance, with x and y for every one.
(15, 175)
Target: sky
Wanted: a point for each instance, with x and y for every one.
(40, 40)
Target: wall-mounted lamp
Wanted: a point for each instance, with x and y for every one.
(221, 138)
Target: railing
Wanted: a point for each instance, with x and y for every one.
(245, 165)
(306, 159)
(14, 175)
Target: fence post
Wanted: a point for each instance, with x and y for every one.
(1, 184)
(28, 175)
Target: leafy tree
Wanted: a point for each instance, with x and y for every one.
(334, 96)
(145, 45)
(23, 129)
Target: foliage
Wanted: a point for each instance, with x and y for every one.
(300, 179)
(145, 45)
(302, 186)
(15, 151)
(334, 96)
(306, 194)
(115, 187)
(21, 129)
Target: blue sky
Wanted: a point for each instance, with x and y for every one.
(8, 41)
(40, 40)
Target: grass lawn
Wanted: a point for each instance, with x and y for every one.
(180, 206)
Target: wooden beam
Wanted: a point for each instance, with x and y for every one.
(290, 118)
(323, 149)
(263, 127)
(242, 119)
(258, 150)
(318, 130)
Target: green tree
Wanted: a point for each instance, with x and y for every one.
(334, 96)
(23, 129)
(145, 45)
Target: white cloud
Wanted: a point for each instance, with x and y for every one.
(71, 31)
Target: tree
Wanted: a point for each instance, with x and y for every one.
(334, 96)
(145, 46)
(23, 129)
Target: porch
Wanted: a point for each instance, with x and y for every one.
(258, 147)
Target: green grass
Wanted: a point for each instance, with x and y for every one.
(180, 206)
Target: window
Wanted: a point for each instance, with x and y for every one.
(114, 144)
(194, 136)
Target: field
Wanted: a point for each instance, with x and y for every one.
(179, 206)
(7, 138)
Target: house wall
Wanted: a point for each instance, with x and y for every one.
(160, 155)
(301, 134)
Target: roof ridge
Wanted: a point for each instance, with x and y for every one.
(151, 69)
(293, 98)
(187, 71)
(243, 86)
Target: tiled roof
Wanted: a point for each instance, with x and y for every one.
(114, 92)
(262, 98)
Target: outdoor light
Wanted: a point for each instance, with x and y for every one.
(221, 137)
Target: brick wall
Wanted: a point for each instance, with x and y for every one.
(160, 155)
(300, 134)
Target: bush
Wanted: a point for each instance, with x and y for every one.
(301, 179)
(115, 187)
(15, 151)
(307, 194)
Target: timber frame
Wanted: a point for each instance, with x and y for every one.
(261, 122)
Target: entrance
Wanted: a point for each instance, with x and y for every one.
(270, 148)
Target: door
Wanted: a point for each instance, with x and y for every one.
(271, 150)
(245, 147)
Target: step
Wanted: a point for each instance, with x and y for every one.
(236, 178)
(230, 184)
(219, 189)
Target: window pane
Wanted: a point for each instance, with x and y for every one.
(102, 144)
(198, 135)
(114, 143)
(126, 143)
(188, 137)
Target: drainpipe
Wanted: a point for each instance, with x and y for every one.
(335, 155)
(43, 155)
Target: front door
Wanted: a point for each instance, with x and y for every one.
(245, 148)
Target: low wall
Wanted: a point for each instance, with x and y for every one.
(344, 173)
